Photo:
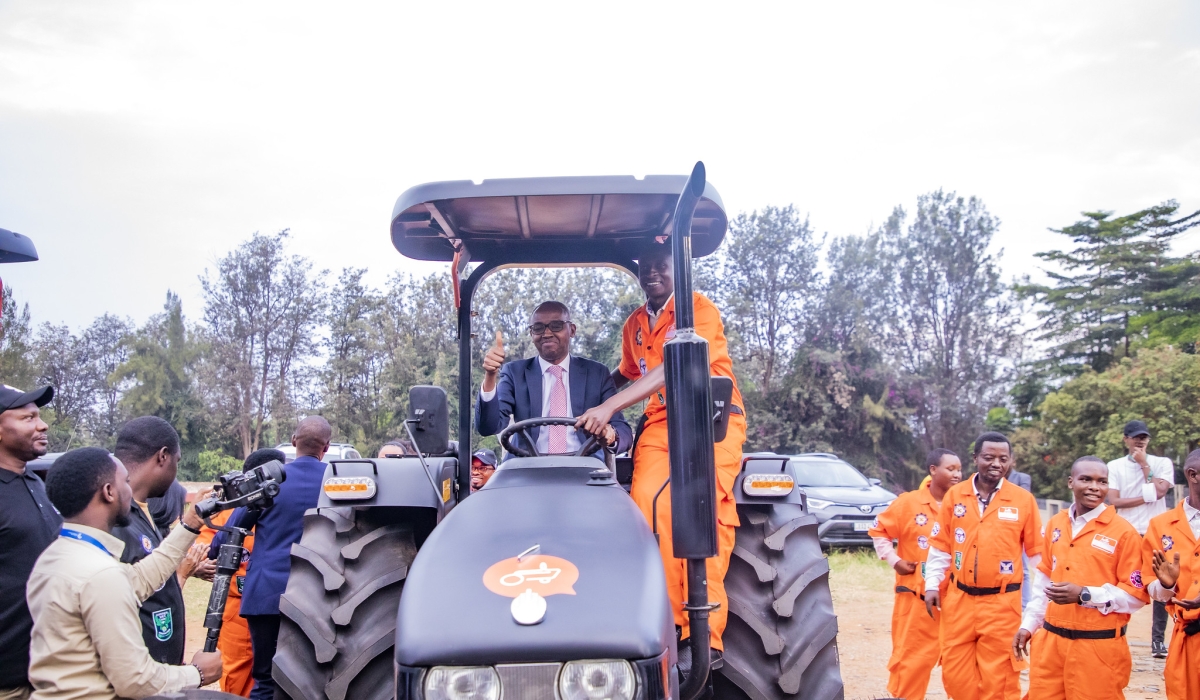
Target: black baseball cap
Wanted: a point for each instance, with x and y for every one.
(12, 397)
(486, 456)
(1135, 428)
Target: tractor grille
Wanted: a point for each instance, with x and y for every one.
(528, 681)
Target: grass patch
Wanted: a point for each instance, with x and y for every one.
(858, 570)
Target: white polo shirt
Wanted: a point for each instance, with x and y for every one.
(1126, 478)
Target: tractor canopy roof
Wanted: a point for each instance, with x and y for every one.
(549, 220)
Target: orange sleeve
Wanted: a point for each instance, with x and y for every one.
(1033, 533)
(1129, 566)
(207, 533)
(1150, 542)
(710, 327)
(1044, 564)
(629, 366)
(887, 523)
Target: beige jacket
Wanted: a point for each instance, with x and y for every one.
(87, 637)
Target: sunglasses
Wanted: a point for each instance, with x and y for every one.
(540, 328)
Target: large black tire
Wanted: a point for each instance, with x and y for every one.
(338, 615)
(781, 639)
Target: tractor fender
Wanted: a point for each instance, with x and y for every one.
(398, 482)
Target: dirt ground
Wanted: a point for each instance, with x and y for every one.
(862, 597)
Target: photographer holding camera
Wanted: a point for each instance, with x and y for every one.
(276, 529)
(87, 634)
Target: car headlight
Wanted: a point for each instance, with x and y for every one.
(462, 683)
(596, 680)
(818, 504)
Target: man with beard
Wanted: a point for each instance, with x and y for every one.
(87, 638)
(984, 525)
(28, 524)
(1088, 584)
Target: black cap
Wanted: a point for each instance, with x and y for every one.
(486, 456)
(12, 397)
(1135, 428)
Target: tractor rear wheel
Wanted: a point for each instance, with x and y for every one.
(781, 639)
(338, 614)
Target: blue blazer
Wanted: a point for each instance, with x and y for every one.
(519, 394)
(276, 529)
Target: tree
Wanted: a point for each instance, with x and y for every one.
(356, 401)
(106, 349)
(62, 362)
(768, 284)
(1120, 269)
(163, 355)
(16, 343)
(951, 326)
(261, 307)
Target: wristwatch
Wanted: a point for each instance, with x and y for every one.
(1085, 596)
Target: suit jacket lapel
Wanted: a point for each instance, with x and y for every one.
(533, 382)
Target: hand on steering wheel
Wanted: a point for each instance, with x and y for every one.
(522, 427)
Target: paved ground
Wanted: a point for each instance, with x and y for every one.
(862, 596)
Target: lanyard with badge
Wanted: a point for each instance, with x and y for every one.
(77, 535)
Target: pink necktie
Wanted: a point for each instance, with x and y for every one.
(557, 439)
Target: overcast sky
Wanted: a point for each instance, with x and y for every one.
(139, 141)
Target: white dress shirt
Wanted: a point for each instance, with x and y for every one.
(653, 315)
(1105, 599)
(937, 561)
(1126, 478)
(1155, 589)
(543, 438)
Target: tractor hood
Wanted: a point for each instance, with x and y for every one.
(596, 563)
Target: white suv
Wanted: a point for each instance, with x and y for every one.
(337, 450)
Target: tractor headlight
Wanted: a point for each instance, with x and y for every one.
(462, 683)
(818, 504)
(596, 680)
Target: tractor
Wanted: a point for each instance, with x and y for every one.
(547, 582)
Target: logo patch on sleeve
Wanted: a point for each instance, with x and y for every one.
(241, 584)
(1009, 513)
(960, 535)
(147, 544)
(1006, 567)
(959, 510)
(923, 542)
(1105, 544)
(1135, 579)
(921, 519)
(958, 560)
(1055, 535)
(937, 530)
(875, 523)
(164, 626)
(1167, 543)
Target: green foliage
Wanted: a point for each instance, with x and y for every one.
(1117, 284)
(211, 464)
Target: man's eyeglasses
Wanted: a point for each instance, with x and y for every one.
(540, 328)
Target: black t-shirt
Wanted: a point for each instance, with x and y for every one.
(161, 613)
(28, 524)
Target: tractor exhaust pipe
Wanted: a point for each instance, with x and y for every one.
(690, 441)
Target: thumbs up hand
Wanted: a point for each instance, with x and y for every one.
(492, 362)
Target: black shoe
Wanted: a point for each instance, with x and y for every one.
(1158, 650)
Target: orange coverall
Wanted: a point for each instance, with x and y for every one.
(237, 657)
(642, 351)
(1107, 550)
(916, 644)
(978, 623)
(1170, 533)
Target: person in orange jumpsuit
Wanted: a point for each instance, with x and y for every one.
(983, 526)
(234, 643)
(1088, 584)
(646, 331)
(911, 520)
(1171, 549)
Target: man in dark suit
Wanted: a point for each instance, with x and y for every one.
(554, 383)
(276, 529)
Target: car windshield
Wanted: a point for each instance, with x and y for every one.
(828, 473)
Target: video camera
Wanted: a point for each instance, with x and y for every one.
(256, 488)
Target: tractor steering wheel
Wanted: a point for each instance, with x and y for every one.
(522, 427)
